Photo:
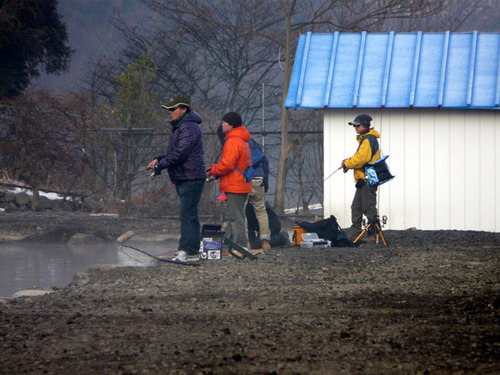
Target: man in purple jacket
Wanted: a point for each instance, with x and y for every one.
(185, 163)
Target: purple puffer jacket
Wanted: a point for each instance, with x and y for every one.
(185, 158)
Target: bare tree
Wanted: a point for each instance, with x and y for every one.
(38, 144)
(208, 50)
(305, 165)
(341, 15)
(219, 52)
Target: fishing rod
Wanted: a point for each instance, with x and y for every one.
(140, 199)
(157, 259)
(331, 174)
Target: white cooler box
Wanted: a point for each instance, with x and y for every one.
(311, 241)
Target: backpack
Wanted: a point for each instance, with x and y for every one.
(256, 152)
(328, 229)
(376, 173)
(248, 173)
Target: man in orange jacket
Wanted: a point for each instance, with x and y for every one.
(234, 161)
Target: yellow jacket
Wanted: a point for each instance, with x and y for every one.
(365, 154)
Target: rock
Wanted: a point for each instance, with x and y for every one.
(67, 206)
(11, 207)
(125, 236)
(44, 203)
(12, 237)
(80, 278)
(91, 204)
(153, 237)
(23, 199)
(31, 293)
(10, 197)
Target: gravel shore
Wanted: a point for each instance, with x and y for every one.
(426, 304)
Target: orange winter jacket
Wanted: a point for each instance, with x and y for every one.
(236, 153)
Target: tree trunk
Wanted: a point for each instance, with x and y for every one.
(286, 145)
(279, 195)
(35, 199)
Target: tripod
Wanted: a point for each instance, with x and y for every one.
(378, 229)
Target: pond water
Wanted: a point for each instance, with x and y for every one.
(41, 265)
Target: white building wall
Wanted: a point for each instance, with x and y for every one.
(446, 163)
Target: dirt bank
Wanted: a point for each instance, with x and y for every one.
(426, 304)
(59, 227)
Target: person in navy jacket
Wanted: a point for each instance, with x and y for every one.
(185, 163)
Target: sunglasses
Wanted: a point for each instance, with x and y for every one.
(356, 126)
(172, 109)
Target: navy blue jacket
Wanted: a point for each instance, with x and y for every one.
(185, 158)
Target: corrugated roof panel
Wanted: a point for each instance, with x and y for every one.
(487, 66)
(372, 70)
(429, 71)
(457, 71)
(317, 69)
(403, 55)
(344, 71)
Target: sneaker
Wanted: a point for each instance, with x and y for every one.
(181, 256)
(193, 257)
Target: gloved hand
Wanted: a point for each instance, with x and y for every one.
(360, 183)
(344, 168)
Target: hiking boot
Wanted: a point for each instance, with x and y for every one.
(181, 256)
(265, 245)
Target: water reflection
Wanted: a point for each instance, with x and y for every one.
(24, 265)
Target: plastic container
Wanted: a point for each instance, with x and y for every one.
(309, 236)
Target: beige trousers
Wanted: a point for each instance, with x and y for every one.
(257, 198)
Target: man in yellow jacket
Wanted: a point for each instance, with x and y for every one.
(365, 198)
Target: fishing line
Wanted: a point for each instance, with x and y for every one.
(139, 199)
(157, 259)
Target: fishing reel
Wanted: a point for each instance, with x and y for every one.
(156, 171)
(382, 222)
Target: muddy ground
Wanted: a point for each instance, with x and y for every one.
(428, 303)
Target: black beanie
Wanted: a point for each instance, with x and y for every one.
(233, 119)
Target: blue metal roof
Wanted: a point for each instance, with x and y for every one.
(396, 70)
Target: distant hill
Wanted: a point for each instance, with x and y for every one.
(91, 35)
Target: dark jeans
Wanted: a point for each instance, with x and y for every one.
(190, 194)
